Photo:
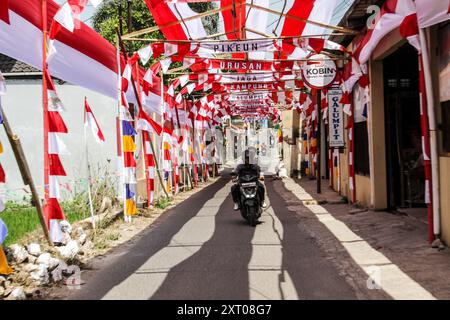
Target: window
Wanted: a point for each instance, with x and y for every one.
(361, 149)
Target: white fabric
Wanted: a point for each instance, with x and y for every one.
(386, 24)
(192, 28)
(54, 188)
(183, 80)
(143, 124)
(95, 3)
(256, 20)
(56, 233)
(2, 84)
(165, 64)
(151, 103)
(148, 77)
(90, 121)
(321, 12)
(3, 228)
(65, 17)
(431, 12)
(190, 87)
(145, 54)
(54, 103)
(23, 41)
(170, 49)
(56, 145)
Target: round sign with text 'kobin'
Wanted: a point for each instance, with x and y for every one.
(319, 71)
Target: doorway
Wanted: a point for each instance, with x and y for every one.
(404, 158)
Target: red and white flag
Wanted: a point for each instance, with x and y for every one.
(147, 123)
(91, 121)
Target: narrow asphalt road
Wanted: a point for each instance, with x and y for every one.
(202, 249)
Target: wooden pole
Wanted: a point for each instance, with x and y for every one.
(174, 23)
(136, 94)
(318, 154)
(21, 160)
(45, 116)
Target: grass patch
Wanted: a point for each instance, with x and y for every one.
(163, 203)
(22, 219)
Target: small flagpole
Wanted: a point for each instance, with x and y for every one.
(122, 156)
(88, 166)
(45, 116)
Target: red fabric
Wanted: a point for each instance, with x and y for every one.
(87, 108)
(156, 127)
(164, 16)
(83, 39)
(129, 160)
(2, 175)
(56, 123)
(4, 12)
(234, 22)
(56, 167)
(53, 210)
(316, 44)
(409, 26)
(301, 9)
(388, 7)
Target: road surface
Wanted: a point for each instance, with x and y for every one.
(202, 249)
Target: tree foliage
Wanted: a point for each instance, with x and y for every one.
(106, 19)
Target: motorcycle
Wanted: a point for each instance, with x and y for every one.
(250, 202)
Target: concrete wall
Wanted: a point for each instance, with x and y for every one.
(444, 165)
(363, 190)
(23, 107)
(291, 122)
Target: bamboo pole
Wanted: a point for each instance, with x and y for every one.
(174, 23)
(208, 39)
(140, 107)
(286, 15)
(229, 7)
(24, 169)
(44, 212)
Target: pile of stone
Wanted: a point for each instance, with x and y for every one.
(35, 269)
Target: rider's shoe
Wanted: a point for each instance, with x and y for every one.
(264, 205)
(236, 206)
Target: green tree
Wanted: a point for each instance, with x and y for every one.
(106, 19)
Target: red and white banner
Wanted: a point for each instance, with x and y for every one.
(83, 57)
(392, 15)
(167, 16)
(241, 65)
(251, 86)
(430, 13)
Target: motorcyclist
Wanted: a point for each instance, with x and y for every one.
(251, 168)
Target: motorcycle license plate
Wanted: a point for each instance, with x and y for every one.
(249, 184)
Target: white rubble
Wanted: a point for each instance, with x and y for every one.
(41, 274)
(19, 253)
(70, 250)
(18, 294)
(34, 249)
(47, 260)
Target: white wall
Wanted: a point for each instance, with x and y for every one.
(23, 107)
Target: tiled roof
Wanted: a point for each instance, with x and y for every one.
(10, 65)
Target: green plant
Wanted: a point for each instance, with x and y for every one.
(163, 203)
